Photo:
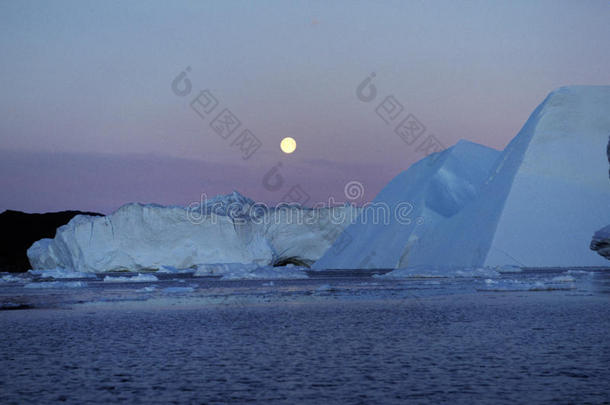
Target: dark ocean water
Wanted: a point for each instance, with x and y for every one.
(324, 340)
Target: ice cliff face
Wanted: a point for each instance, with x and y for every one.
(536, 206)
(226, 229)
(601, 238)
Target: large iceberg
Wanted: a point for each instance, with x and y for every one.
(539, 203)
(226, 229)
(601, 238)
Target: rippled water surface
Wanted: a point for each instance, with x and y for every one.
(534, 337)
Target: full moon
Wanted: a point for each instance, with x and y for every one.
(288, 145)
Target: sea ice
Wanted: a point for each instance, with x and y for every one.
(140, 278)
(56, 284)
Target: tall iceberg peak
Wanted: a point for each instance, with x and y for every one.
(436, 188)
(537, 206)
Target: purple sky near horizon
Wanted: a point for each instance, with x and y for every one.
(89, 121)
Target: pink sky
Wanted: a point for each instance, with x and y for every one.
(88, 118)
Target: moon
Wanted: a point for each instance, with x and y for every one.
(288, 145)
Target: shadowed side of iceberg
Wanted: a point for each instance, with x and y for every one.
(435, 188)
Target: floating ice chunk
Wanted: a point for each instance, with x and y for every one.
(509, 269)
(56, 284)
(149, 288)
(440, 272)
(517, 285)
(60, 273)
(477, 273)
(219, 269)
(409, 273)
(563, 279)
(579, 273)
(251, 271)
(173, 290)
(140, 278)
(174, 270)
(11, 279)
(266, 273)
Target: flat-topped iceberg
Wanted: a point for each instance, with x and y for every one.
(226, 229)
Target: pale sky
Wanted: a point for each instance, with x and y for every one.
(88, 118)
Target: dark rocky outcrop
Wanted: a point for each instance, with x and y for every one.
(19, 230)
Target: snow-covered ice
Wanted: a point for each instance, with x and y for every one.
(544, 197)
(440, 272)
(436, 188)
(226, 229)
(59, 273)
(262, 273)
(9, 278)
(56, 284)
(535, 205)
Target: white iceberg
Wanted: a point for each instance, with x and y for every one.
(414, 202)
(226, 229)
(537, 206)
(543, 198)
(239, 271)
